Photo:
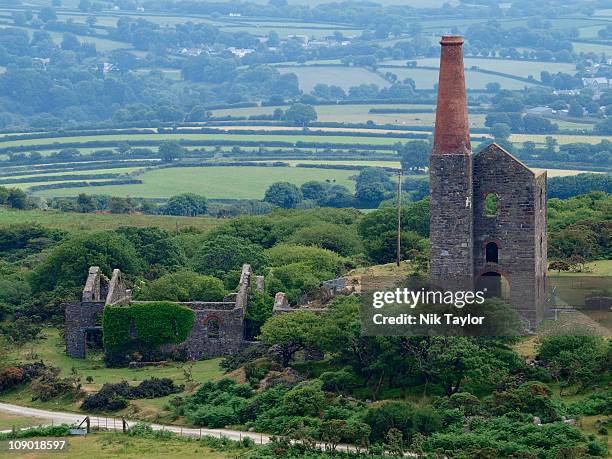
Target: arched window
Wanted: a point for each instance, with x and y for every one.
(491, 206)
(492, 252)
(212, 329)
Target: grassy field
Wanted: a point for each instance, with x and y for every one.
(9, 420)
(561, 138)
(357, 113)
(592, 47)
(51, 350)
(345, 77)
(207, 137)
(118, 445)
(69, 221)
(520, 68)
(599, 268)
(426, 79)
(213, 182)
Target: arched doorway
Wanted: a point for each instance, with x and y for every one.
(493, 284)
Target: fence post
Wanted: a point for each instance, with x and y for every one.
(200, 433)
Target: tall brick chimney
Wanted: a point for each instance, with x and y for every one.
(450, 177)
(452, 133)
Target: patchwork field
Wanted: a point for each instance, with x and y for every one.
(426, 78)
(520, 68)
(204, 137)
(345, 77)
(213, 182)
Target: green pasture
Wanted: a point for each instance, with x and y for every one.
(70, 221)
(51, 350)
(68, 173)
(173, 74)
(590, 31)
(345, 77)
(213, 182)
(592, 48)
(426, 78)
(561, 138)
(356, 114)
(519, 68)
(284, 32)
(117, 445)
(220, 137)
(9, 421)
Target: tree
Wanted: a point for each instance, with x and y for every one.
(47, 14)
(414, 155)
(223, 253)
(575, 109)
(373, 185)
(500, 131)
(17, 199)
(86, 203)
(290, 333)
(183, 286)
(186, 205)
(301, 114)
(170, 150)
(284, 194)
(68, 264)
(317, 191)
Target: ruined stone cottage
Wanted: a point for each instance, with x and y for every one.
(219, 327)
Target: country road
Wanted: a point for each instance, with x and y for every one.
(111, 423)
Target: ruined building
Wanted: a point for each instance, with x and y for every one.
(219, 327)
(487, 211)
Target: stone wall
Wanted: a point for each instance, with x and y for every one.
(518, 229)
(218, 328)
(451, 220)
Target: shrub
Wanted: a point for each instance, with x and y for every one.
(305, 399)
(315, 257)
(340, 239)
(390, 415)
(49, 385)
(183, 286)
(113, 397)
(593, 404)
(11, 377)
(342, 381)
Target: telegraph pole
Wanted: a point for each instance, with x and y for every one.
(399, 217)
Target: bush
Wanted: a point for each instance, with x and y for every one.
(49, 385)
(183, 286)
(11, 377)
(113, 397)
(316, 258)
(390, 415)
(593, 404)
(340, 239)
(305, 399)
